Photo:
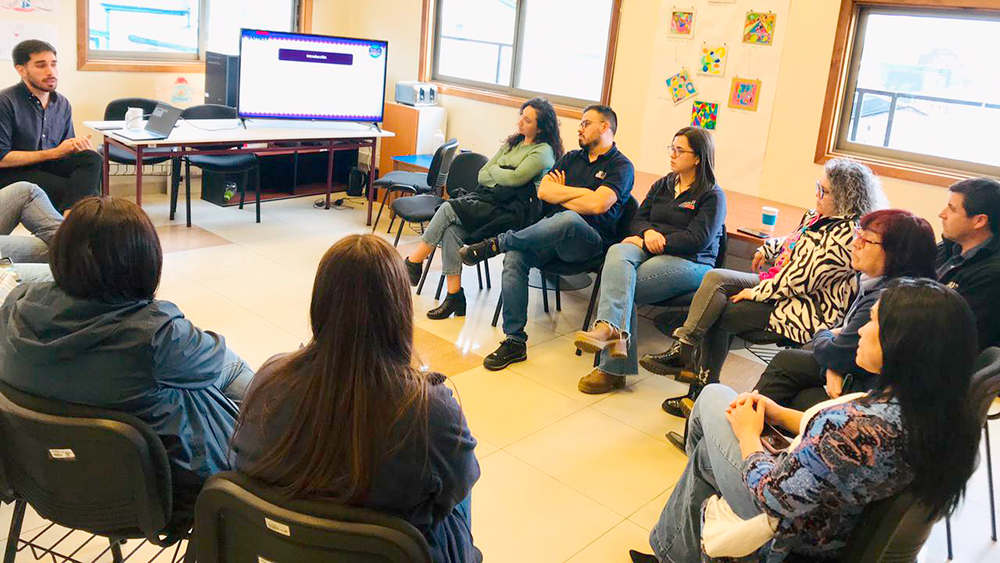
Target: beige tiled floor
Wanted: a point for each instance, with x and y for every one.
(565, 476)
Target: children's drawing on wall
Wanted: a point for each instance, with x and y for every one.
(758, 28)
(713, 60)
(28, 5)
(682, 24)
(681, 86)
(744, 94)
(704, 114)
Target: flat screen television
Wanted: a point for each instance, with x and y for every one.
(316, 77)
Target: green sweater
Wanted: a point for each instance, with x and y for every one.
(517, 166)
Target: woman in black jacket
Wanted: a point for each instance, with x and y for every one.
(675, 241)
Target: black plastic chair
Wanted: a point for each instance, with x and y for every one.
(240, 520)
(85, 468)
(558, 268)
(237, 163)
(463, 176)
(417, 182)
(115, 111)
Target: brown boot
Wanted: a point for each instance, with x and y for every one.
(599, 382)
(600, 337)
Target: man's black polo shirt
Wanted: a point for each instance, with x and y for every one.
(25, 126)
(611, 169)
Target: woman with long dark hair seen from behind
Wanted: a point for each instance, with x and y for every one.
(348, 418)
(736, 500)
(507, 185)
(675, 241)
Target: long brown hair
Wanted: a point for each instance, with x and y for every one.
(353, 384)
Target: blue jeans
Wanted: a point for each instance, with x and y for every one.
(714, 468)
(235, 378)
(34, 273)
(631, 277)
(564, 236)
(24, 202)
(445, 229)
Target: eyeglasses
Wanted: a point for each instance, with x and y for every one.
(677, 150)
(587, 123)
(820, 190)
(860, 240)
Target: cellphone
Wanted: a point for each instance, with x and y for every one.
(772, 440)
(754, 232)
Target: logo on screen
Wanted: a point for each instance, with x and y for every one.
(375, 51)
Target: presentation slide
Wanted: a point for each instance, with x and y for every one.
(295, 76)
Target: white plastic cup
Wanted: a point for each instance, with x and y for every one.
(769, 218)
(133, 118)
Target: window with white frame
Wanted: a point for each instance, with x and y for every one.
(556, 48)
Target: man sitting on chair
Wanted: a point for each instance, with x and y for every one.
(584, 196)
(37, 141)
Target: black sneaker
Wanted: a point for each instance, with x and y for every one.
(673, 361)
(479, 251)
(509, 352)
(414, 270)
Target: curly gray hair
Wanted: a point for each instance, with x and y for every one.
(856, 190)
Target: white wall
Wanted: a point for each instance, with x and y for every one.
(788, 173)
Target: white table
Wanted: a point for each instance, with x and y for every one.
(256, 136)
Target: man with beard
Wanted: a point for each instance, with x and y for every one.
(584, 196)
(37, 141)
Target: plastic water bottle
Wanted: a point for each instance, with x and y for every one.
(230, 191)
(438, 139)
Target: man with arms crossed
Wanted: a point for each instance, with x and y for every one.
(583, 196)
(37, 141)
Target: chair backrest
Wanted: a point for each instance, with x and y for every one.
(85, 468)
(116, 109)
(891, 530)
(464, 172)
(237, 519)
(209, 111)
(720, 258)
(985, 385)
(437, 174)
(625, 220)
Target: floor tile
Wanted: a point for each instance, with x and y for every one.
(523, 515)
(610, 462)
(255, 339)
(555, 365)
(503, 407)
(201, 305)
(638, 405)
(294, 318)
(647, 516)
(176, 238)
(437, 354)
(613, 547)
(473, 333)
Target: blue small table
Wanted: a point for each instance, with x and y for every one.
(412, 162)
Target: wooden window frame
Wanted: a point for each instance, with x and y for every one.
(427, 56)
(86, 61)
(837, 84)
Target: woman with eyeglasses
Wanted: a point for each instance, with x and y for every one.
(889, 244)
(913, 432)
(801, 283)
(675, 240)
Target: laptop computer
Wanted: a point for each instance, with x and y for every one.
(159, 125)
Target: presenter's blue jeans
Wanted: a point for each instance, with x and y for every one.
(565, 236)
(631, 277)
(445, 229)
(714, 468)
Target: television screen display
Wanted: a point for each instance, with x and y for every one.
(299, 76)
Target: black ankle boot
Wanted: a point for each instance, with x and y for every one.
(453, 303)
(414, 270)
(672, 362)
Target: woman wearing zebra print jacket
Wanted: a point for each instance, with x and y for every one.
(802, 283)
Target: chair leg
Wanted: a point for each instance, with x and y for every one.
(116, 550)
(295, 171)
(989, 480)
(558, 294)
(427, 268)
(175, 185)
(486, 268)
(243, 187)
(437, 294)
(947, 531)
(392, 219)
(545, 292)
(187, 190)
(399, 233)
(10, 553)
(590, 313)
(496, 314)
(379, 216)
(256, 181)
(479, 275)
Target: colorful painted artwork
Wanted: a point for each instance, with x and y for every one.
(744, 94)
(713, 60)
(682, 23)
(705, 115)
(759, 28)
(681, 87)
